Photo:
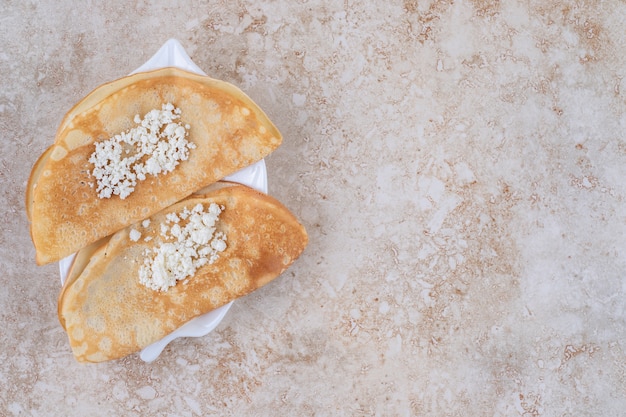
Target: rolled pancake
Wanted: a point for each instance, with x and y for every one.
(109, 314)
(228, 129)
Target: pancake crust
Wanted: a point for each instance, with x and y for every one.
(229, 130)
(108, 314)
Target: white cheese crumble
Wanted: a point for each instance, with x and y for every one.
(189, 241)
(154, 147)
(134, 235)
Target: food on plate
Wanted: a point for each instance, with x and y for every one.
(133, 288)
(135, 146)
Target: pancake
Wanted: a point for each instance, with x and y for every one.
(108, 313)
(226, 129)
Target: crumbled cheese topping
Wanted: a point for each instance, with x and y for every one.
(189, 241)
(156, 146)
(134, 235)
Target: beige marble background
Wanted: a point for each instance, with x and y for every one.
(459, 166)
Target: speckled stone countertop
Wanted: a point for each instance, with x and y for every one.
(459, 166)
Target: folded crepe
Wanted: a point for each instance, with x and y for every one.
(105, 170)
(110, 309)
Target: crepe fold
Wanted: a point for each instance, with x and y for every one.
(228, 129)
(109, 314)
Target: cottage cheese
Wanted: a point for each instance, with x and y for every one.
(156, 146)
(189, 240)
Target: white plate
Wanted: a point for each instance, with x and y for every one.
(172, 54)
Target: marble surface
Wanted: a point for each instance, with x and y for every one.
(458, 164)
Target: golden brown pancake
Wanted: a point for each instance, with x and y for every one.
(109, 314)
(228, 129)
